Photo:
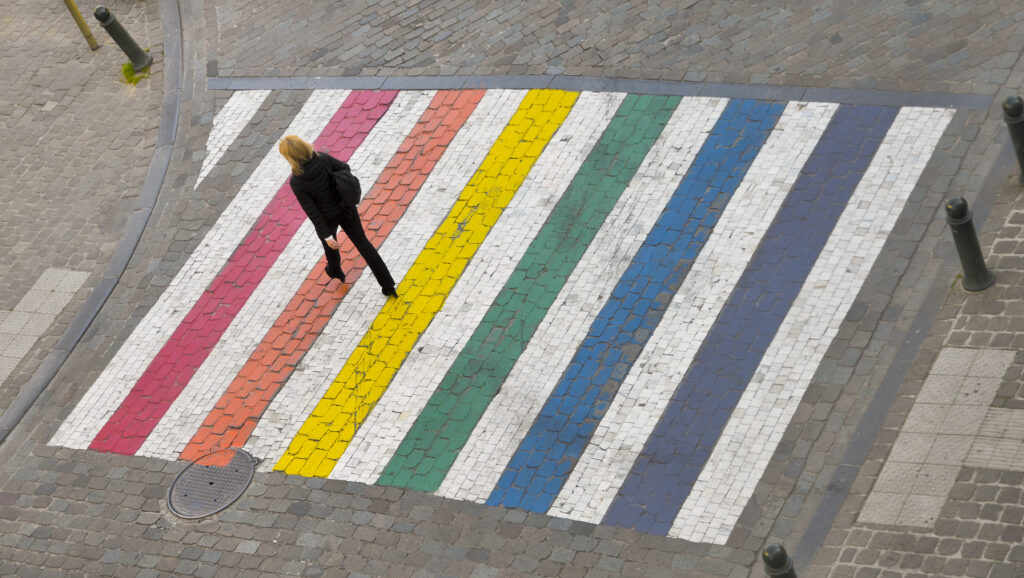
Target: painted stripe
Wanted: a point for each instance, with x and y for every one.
(742, 453)
(566, 422)
(646, 391)
(311, 378)
(427, 126)
(437, 349)
(211, 314)
(202, 266)
(433, 442)
(227, 124)
(270, 302)
(673, 456)
(506, 421)
(326, 434)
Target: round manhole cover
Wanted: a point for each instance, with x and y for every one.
(211, 483)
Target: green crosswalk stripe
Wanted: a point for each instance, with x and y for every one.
(442, 429)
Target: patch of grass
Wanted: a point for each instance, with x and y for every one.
(130, 76)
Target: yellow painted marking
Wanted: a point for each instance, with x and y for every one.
(327, 432)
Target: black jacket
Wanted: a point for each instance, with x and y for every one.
(314, 190)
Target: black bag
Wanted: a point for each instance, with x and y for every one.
(346, 185)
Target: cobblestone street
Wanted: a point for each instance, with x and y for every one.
(675, 282)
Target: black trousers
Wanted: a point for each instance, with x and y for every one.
(349, 222)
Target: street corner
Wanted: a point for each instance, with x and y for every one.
(610, 303)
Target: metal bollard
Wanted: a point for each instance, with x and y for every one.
(140, 59)
(961, 223)
(1013, 115)
(777, 562)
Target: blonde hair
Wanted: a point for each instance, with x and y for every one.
(296, 151)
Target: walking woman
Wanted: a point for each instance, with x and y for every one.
(313, 185)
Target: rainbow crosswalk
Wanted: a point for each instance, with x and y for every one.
(610, 304)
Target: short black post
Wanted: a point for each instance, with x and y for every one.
(1013, 115)
(140, 59)
(961, 223)
(777, 562)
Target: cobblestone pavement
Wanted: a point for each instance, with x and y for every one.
(643, 328)
(73, 170)
(951, 441)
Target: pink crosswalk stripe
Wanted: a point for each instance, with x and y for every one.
(171, 370)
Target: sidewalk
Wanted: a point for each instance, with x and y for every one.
(78, 144)
(901, 457)
(940, 493)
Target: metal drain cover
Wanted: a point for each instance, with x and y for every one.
(211, 483)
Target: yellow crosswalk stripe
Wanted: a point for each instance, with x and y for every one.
(327, 432)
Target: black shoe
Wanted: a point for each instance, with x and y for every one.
(335, 274)
(389, 291)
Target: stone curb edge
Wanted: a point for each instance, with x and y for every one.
(170, 21)
(579, 83)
